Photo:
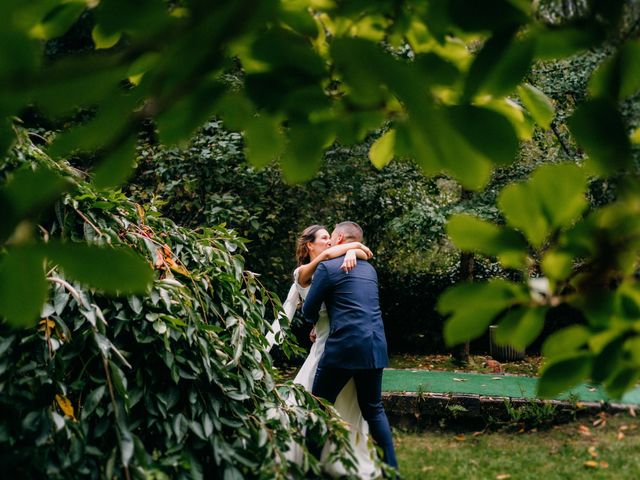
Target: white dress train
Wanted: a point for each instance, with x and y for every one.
(347, 402)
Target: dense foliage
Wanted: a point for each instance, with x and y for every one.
(175, 383)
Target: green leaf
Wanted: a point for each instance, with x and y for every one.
(79, 82)
(179, 122)
(599, 128)
(499, 66)
(472, 234)
(520, 327)
(538, 104)
(557, 265)
(554, 197)
(92, 401)
(58, 20)
(561, 190)
(23, 288)
(304, 153)
(488, 132)
(523, 211)
(26, 194)
(127, 446)
(263, 140)
(564, 341)
(117, 165)
(494, 15)
(608, 360)
(437, 70)
(556, 43)
(102, 40)
(381, 152)
(623, 380)
(112, 270)
(474, 306)
(618, 77)
(560, 375)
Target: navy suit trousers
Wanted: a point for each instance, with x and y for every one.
(329, 382)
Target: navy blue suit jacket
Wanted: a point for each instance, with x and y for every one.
(356, 333)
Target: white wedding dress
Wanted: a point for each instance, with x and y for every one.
(347, 402)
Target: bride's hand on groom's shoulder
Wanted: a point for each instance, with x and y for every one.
(350, 261)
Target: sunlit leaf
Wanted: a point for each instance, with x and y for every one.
(474, 306)
(264, 140)
(566, 340)
(382, 150)
(557, 264)
(102, 40)
(470, 233)
(538, 104)
(58, 20)
(520, 327)
(561, 190)
(523, 211)
(304, 153)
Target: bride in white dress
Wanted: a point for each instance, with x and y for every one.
(314, 246)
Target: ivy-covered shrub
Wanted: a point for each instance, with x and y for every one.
(173, 384)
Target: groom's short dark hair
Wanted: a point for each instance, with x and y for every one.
(351, 231)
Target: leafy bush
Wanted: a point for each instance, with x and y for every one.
(171, 384)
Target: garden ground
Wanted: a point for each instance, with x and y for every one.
(602, 447)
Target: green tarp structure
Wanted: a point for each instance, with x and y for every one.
(490, 385)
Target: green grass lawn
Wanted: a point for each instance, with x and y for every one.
(608, 450)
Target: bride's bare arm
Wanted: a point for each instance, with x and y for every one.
(305, 272)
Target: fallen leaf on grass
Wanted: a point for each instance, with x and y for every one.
(502, 476)
(459, 379)
(584, 430)
(591, 464)
(592, 451)
(632, 411)
(477, 434)
(427, 468)
(496, 378)
(604, 465)
(601, 422)
(460, 438)
(620, 435)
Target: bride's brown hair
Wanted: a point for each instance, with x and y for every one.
(302, 250)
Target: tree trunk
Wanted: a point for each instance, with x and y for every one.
(461, 352)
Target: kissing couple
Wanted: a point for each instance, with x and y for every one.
(339, 289)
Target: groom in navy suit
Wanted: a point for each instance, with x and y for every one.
(356, 347)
